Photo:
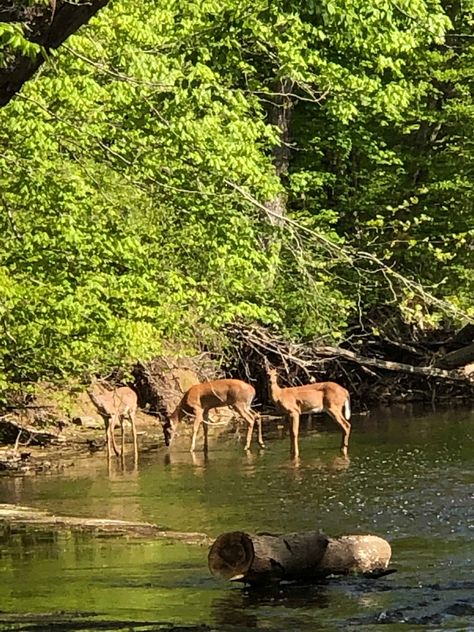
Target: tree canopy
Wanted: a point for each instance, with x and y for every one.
(175, 166)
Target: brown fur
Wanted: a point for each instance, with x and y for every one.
(201, 398)
(326, 397)
(114, 407)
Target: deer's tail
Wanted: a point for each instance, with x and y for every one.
(347, 408)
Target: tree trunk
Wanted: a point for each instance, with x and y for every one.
(457, 359)
(265, 558)
(280, 117)
(48, 24)
(461, 338)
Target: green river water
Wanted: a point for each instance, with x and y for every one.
(410, 479)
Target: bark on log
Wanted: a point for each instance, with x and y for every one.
(265, 558)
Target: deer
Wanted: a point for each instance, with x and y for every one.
(294, 401)
(198, 400)
(114, 406)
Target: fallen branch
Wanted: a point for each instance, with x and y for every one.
(368, 370)
(337, 352)
(457, 359)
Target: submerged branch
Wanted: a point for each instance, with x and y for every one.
(15, 516)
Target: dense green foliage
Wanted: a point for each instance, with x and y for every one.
(136, 167)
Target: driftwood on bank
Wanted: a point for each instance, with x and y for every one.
(461, 338)
(374, 370)
(16, 517)
(265, 558)
(12, 431)
(389, 365)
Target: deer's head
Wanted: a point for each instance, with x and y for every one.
(167, 432)
(170, 426)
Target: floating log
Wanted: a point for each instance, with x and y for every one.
(266, 558)
(83, 621)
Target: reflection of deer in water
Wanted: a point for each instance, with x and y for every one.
(114, 407)
(201, 398)
(319, 397)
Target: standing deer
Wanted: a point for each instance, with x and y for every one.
(114, 407)
(201, 398)
(320, 397)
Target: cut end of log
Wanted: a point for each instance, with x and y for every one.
(231, 556)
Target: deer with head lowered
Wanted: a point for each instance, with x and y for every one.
(115, 406)
(201, 398)
(319, 397)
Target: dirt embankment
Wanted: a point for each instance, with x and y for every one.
(35, 442)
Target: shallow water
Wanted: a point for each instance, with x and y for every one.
(410, 479)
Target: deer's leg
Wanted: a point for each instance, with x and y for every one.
(258, 419)
(345, 426)
(249, 418)
(134, 435)
(107, 438)
(112, 423)
(122, 435)
(237, 431)
(197, 424)
(205, 428)
(294, 416)
(169, 432)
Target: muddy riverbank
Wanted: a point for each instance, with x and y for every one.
(63, 445)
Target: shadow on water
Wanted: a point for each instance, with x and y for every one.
(445, 605)
(242, 608)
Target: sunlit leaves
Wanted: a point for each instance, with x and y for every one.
(120, 228)
(13, 41)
